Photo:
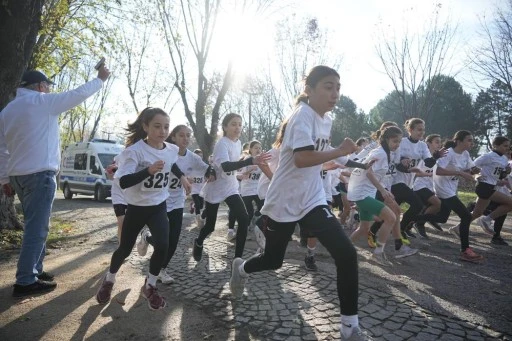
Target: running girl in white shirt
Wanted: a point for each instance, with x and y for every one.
(197, 180)
(492, 165)
(143, 173)
(249, 178)
(226, 154)
(117, 196)
(188, 163)
(296, 196)
(362, 189)
(457, 163)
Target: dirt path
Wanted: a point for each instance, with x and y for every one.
(477, 295)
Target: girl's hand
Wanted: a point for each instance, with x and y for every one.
(405, 162)
(348, 146)
(467, 176)
(261, 159)
(474, 170)
(186, 185)
(156, 167)
(330, 166)
(440, 153)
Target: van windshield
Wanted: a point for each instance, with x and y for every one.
(106, 159)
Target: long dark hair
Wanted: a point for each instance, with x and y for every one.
(280, 135)
(226, 119)
(315, 75)
(376, 134)
(174, 131)
(386, 134)
(135, 130)
(458, 136)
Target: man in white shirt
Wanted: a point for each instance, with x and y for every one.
(29, 161)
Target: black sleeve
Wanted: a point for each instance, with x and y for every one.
(401, 168)
(304, 148)
(176, 171)
(354, 164)
(229, 166)
(209, 171)
(130, 180)
(430, 162)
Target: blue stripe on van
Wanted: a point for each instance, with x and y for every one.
(80, 178)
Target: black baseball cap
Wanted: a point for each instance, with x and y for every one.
(33, 77)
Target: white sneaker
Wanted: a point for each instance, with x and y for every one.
(405, 251)
(485, 223)
(455, 230)
(237, 282)
(164, 277)
(260, 237)
(357, 335)
(231, 235)
(142, 244)
(381, 259)
(199, 221)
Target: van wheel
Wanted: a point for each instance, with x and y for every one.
(99, 193)
(67, 192)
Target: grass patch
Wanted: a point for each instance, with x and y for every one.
(59, 230)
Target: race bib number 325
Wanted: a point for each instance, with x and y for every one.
(156, 182)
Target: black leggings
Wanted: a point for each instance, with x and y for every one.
(175, 221)
(404, 193)
(248, 200)
(155, 217)
(321, 223)
(198, 203)
(454, 204)
(498, 222)
(237, 208)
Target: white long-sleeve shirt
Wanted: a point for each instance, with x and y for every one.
(29, 129)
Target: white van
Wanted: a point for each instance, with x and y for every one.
(83, 168)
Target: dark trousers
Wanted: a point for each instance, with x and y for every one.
(175, 221)
(237, 208)
(454, 204)
(322, 224)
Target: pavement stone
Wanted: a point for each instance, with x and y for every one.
(292, 304)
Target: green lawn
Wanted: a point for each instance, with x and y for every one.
(59, 230)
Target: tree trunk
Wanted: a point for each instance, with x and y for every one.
(20, 21)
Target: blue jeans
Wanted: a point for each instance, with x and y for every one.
(36, 193)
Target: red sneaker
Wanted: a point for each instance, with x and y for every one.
(104, 292)
(155, 301)
(470, 256)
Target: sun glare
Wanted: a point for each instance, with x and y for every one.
(244, 39)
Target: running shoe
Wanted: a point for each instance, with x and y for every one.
(142, 244)
(485, 223)
(420, 228)
(231, 235)
(470, 256)
(150, 293)
(237, 282)
(435, 225)
(497, 240)
(197, 251)
(310, 263)
(455, 230)
(357, 335)
(46, 276)
(404, 238)
(381, 258)
(164, 277)
(405, 251)
(104, 291)
(372, 243)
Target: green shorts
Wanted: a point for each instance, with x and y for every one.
(368, 208)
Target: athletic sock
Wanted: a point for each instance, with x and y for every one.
(348, 323)
(398, 244)
(380, 248)
(311, 251)
(151, 281)
(110, 277)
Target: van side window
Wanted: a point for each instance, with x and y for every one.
(80, 162)
(94, 166)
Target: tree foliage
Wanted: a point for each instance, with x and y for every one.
(348, 121)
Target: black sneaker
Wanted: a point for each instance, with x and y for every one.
(36, 288)
(46, 276)
(420, 228)
(310, 263)
(197, 251)
(498, 241)
(435, 225)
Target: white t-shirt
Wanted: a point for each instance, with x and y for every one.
(366, 150)
(421, 182)
(225, 150)
(249, 183)
(359, 186)
(445, 186)
(154, 189)
(264, 180)
(335, 180)
(327, 183)
(116, 193)
(293, 192)
(491, 165)
(188, 164)
(387, 181)
(415, 151)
